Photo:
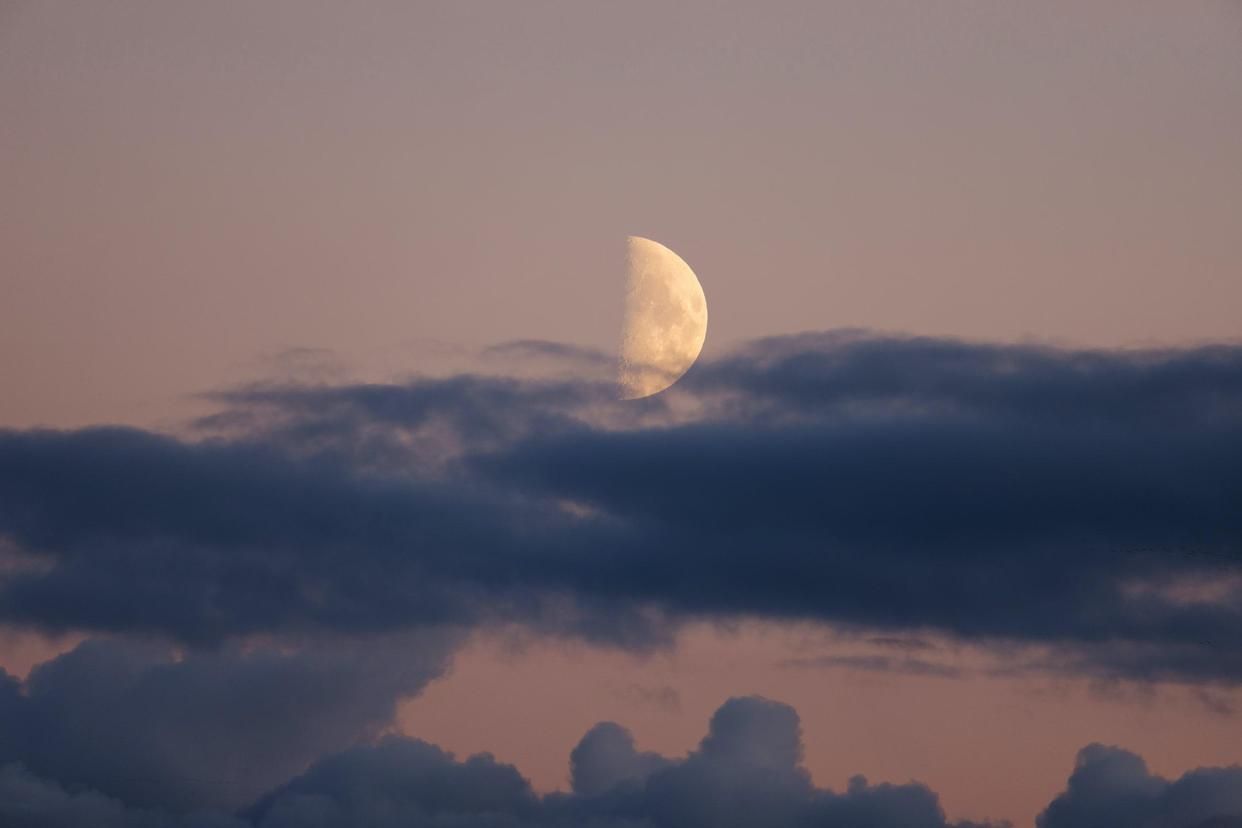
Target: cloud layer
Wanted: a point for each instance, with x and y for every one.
(746, 773)
(1081, 503)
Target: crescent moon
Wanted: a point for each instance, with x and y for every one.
(665, 320)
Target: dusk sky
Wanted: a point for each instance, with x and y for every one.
(318, 505)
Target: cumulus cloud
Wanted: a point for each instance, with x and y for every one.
(1111, 786)
(401, 783)
(747, 772)
(605, 759)
(1078, 503)
(157, 729)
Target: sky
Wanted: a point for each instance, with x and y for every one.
(317, 507)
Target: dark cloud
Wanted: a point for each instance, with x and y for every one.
(402, 783)
(746, 773)
(1111, 786)
(157, 729)
(845, 371)
(30, 801)
(389, 426)
(1082, 504)
(606, 759)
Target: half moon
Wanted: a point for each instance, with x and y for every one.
(665, 320)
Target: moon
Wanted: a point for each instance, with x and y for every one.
(664, 323)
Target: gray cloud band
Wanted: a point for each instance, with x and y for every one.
(1082, 501)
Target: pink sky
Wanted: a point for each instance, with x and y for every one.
(192, 190)
(990, 746)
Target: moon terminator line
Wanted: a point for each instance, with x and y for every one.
(664, 323)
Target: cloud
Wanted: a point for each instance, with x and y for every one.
(746, 773)
(520, 353)
(837, 372)
(877, 664)
(401, 782)
(157, 729)
(606, 759)
(1079, 505)
(29, 801)
(662, 696)
(1111, 786)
